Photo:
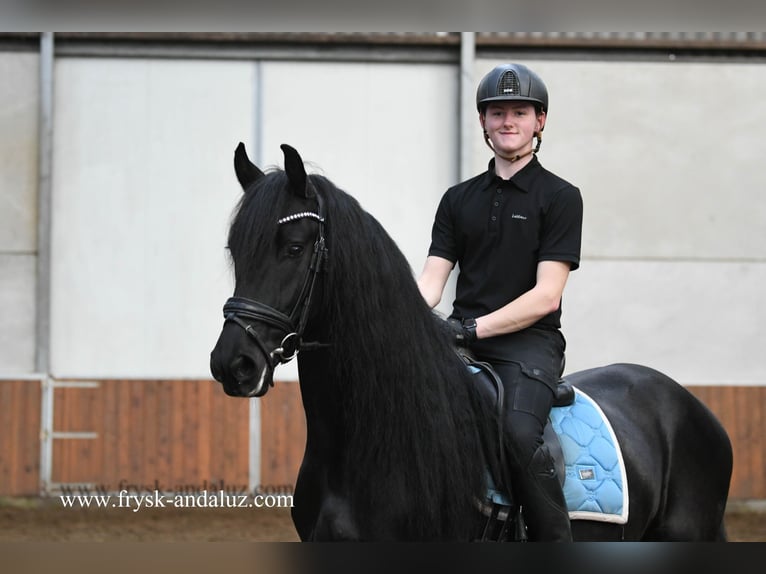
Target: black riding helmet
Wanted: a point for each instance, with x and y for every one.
(508, 82)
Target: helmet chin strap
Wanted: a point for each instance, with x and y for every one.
(517, 157)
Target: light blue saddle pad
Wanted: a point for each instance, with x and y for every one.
(595, 487)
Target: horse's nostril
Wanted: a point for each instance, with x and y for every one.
(215, 368)
(243, 368)
(215, 372)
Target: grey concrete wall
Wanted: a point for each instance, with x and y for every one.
(667, 155)
(18, 210)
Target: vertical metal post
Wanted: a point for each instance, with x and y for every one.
(257, 154)
(45, 161)
(43, 287)
(46, 435)
(467, 99)
(254, 454)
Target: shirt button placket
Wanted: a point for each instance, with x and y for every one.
(495, 208)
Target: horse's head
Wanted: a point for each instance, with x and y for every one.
(276, 241)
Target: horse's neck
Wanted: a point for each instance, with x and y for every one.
(323, 409)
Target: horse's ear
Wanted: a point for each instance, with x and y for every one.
(247, 172)
(296, 173)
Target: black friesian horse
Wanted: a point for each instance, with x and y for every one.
(399, 439)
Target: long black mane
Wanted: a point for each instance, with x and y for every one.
(413, 415)
(416, 427)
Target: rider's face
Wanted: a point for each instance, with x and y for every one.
(511, 126)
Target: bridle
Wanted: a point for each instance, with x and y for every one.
(244, 312)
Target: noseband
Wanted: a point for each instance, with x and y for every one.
(243, 311)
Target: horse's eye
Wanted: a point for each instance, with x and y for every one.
(295, 250)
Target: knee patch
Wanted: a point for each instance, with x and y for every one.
(533, 397)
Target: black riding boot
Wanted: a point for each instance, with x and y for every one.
(542, 499)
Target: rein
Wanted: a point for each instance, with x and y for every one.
(240, 309)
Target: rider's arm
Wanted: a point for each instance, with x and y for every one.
(433, 278)
(530, 307)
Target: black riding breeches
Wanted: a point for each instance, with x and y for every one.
(528, 403)
(529, 363)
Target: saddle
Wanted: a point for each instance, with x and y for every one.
(564, 392)
(564, 396)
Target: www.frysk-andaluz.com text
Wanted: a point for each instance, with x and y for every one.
(205, 495)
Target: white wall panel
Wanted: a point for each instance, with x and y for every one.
(18, 151)
(385, 133)
(143, 191)
(18, 210)
(17, 312)
(700, 323)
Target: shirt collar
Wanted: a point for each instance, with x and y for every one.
(521, 180)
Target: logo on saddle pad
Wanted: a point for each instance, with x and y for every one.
(587, 474)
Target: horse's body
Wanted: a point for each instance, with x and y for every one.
(399, 440)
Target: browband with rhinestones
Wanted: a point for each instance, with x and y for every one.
(301, 215)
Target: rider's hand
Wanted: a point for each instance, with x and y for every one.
(463, 332)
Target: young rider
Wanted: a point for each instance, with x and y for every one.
(515, 232)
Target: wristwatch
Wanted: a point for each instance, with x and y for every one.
(469, 326)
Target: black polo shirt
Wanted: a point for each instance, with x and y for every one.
(499, 230)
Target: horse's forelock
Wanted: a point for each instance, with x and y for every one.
(255, 217)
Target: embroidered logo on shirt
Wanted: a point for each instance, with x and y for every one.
(518, 216)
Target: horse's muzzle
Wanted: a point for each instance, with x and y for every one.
(240, 374)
